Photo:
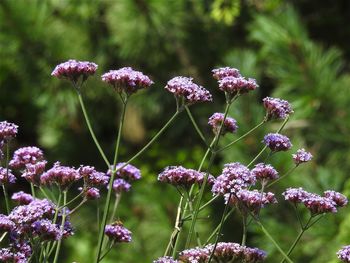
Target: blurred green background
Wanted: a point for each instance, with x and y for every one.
(297, 50)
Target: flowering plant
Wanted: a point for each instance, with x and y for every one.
(34, 225)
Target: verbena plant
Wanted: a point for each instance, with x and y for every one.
(33, 229)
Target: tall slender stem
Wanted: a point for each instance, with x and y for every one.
(303, 229)
(273, 241)
(218, 227)
(152, 140)
(6, 199)
(7, 177)
(244, 236)
(175, 236)
(62, 225)
(221, 225)
(32, 189)
(121, 122)
(116, 202)
(110, 185)
(213, 145)
(241, 137)
(281, 177)
(87, 120)
(110, 188)
(195, 125)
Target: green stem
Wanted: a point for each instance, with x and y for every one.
(190, 204)
(244, 236)
(264, 148)
(243, 136)
(92, 131)
(117, 200)
(221, 225)
(303, 229)
(77, 207)
(6, 199)
(273, 241)
(32, 189)
(7, 176)
(110, 186)
(62, 226)
(281, 177)
(213, 145)
(218, 227)
(74, 199)
(152, 140)
(203, 206)
(175, 236)
(195, 125)
(257, 156)
(121, 122)
(3, 236)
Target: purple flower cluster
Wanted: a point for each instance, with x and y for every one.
(344, 254)
(33, 172)
(264, 172)
(6, 176)
(198, 255)
(118, 233)
(252, 200)
(232, 82)
(20, 255)
(233, 178)
(215, 121)
(26, 155)
(24, 215)
(180, 176)
(22, 198)
(8, 131)
(33, 220)
(120, 185)
(221, 73)
(92, 180)
(46, 230)
(93, 177)
(61, 175)
(315, 203)
(277, 142)
(224, 252)
(92, 193)
(6, 225)
(127, 172)
(183, 87)
(127, 79)
(277, 108)
(73, 70)
(165, 260)
(301, 156)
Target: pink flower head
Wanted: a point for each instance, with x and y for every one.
(277, 108)
(61, 175)
(263, 171)
(26, 155)
(184, 88)
(237, 85)
(221, 73)
(73, 70)
(127, 79)
(301, 156)
(118, 233)
(215, 121)
(8, 130)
